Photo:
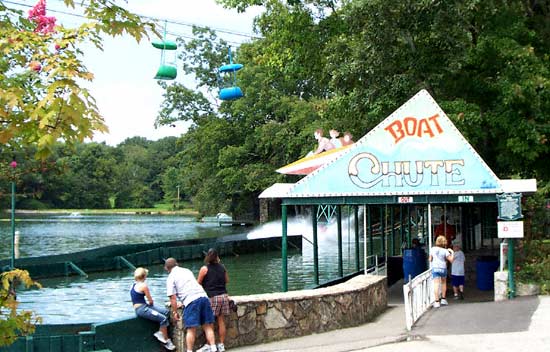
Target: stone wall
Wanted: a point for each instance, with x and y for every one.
(522, 289)
(274, 316)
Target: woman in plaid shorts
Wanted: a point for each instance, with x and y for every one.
(213, 278)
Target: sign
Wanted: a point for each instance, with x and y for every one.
(466, 199)
(417, 150)
(510, 229)
(509, 206)
(405, 200)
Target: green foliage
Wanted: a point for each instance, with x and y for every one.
(41, 97)
(13, 322)
(347, 65)
(91, 175)
(534, 267)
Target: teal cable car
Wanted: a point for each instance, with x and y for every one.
(165, 71)
(232, 92)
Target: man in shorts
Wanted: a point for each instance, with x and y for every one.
(181, 285)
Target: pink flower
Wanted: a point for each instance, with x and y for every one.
(44, 24)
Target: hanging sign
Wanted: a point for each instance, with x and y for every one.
(509, 206)
(510, 229)
(405, 200)
(466, 199)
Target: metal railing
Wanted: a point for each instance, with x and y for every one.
(418, 295)
(377, 268)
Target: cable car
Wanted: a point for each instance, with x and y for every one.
(232, 92)
(165, 71)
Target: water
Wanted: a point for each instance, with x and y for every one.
(58, 234)
(104, 296)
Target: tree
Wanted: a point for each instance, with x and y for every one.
(41, 100)
(12, 321)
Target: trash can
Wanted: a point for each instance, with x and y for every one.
(414, 263)
(485, 268)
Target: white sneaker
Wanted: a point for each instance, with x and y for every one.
(444, 302)
(160, 337)
(170, 346)
(436, 304)
(205, 348)
(220, 347)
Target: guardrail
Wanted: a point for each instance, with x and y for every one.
(377, 268)
(418, 296)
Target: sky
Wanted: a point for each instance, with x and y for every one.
(126, 94)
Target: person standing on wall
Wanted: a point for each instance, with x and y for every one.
(439, 256)
(181, 285)
(213, 277)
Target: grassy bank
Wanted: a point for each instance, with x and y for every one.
(158, 209)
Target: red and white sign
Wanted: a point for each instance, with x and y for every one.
(510, 229)
(405, 200)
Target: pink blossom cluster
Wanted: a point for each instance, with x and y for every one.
(44, 24)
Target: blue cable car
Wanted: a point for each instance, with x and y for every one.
(233, 92)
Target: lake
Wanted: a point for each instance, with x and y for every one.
(104, 296)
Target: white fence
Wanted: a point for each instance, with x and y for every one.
(378, 268)
(418, 295)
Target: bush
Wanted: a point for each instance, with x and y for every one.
(534, 264)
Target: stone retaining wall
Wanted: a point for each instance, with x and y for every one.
(275, 316)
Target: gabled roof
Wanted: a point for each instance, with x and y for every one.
(417, 150)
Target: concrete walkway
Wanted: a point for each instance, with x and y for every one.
(522, 324)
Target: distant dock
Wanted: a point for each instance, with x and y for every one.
(231, 222)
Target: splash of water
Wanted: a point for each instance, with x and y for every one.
(326, 232)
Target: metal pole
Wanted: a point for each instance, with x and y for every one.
(339, 218)
(357, 252)
(392, 233)
(315, 245)
(284, 249)
(511, 265)
(371, 239)
(178, 197)
(12, 263)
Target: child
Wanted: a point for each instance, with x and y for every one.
(457, 272)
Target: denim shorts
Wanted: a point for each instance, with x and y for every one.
(457, 280)
(154, 313)
(439, 272)
(197, 313)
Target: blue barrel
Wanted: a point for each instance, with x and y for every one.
(414, 263)
(485, 269)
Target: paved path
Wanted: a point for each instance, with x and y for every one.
(522, 324)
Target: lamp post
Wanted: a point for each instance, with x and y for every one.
(13, 165)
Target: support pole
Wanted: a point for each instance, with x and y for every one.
(392, 233)
(315, 245)
(401, 230)
(340, 260)
(284, 249)
(409, 226)
(357, 251)
(511, 266)
(383, 230)
(371, 240)
(12, 262)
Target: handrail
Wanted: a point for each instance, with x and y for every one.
(376, 265)
(418, 295)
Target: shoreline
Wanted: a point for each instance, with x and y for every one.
(185, 212)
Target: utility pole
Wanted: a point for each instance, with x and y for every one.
(178, 201)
